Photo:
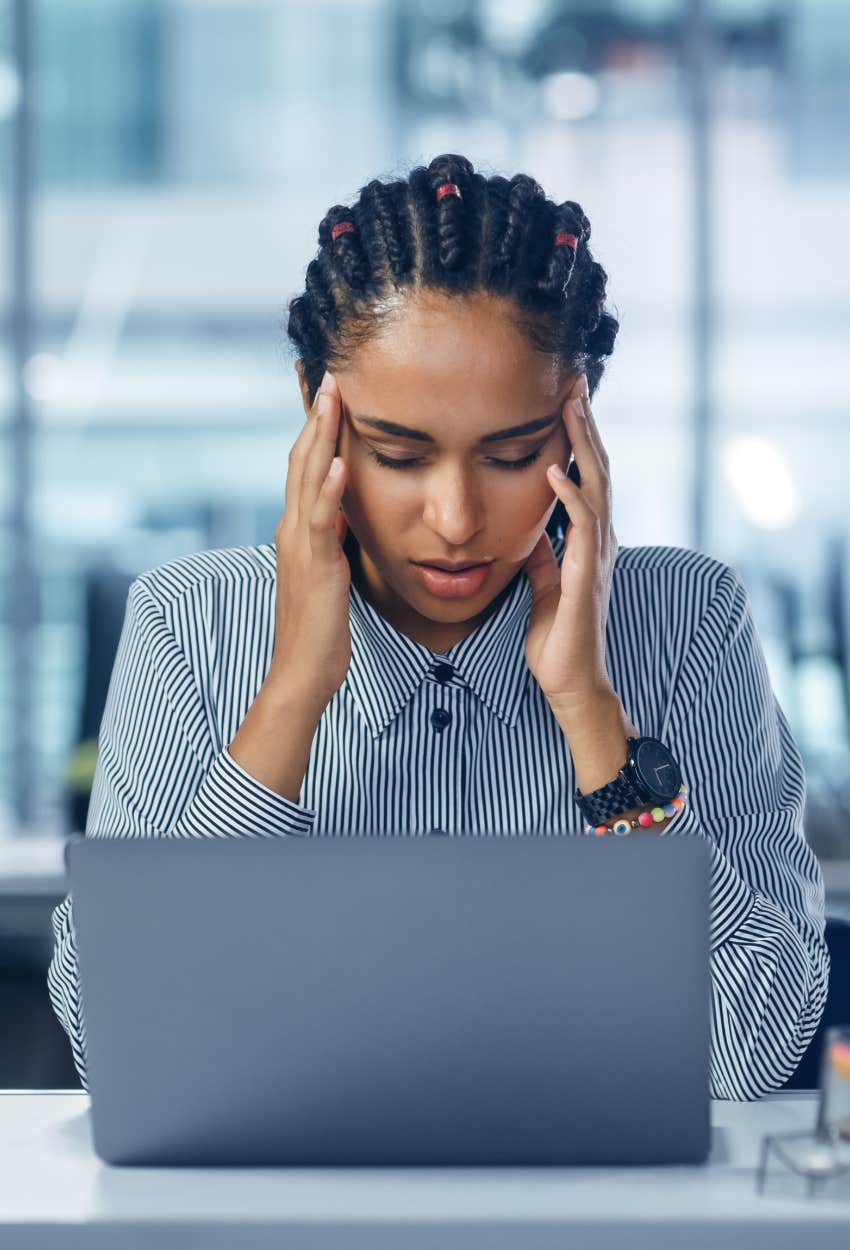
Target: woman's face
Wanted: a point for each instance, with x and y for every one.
(456, 370)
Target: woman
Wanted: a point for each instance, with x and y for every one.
(450, 338)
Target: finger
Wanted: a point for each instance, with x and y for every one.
(580, 390)
(596, 437)
(579, 386)
(581, 564)
(341, 524)
(298, 455)
(592, 463)
(602, 452)
(606, 512)
(591, 466)
(321, 450)
(575, 499)
(323, 525)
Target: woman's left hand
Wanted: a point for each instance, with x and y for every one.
(565, 643)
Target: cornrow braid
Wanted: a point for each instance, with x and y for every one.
(492, 276)
(338, 234)
(521, 196)
(446, 227)
(568, 220)
(386, 229)
(444, 199)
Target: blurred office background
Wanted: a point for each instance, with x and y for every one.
(164, 165)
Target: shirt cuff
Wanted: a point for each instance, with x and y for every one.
(732, 899)
(230, 802)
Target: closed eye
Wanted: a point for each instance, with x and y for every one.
(390, 463)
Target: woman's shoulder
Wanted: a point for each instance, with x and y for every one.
(202, 570)
(674, 593)
(673, 565)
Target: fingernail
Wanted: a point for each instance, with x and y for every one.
(578, 408)
(326, 380)
(556, 471)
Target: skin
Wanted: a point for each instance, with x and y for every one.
(457, 369)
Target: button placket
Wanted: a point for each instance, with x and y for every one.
(441, 718)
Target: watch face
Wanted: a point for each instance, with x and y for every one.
(656, 769)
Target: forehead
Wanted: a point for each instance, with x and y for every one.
(437, 353)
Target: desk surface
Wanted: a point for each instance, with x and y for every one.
(54, 1191)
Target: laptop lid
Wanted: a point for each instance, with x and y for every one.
(389, 1000)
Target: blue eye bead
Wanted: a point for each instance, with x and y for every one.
(621, 828)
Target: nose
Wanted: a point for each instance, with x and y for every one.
(455, 509)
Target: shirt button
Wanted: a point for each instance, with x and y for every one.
(443, 672)
(440, 719)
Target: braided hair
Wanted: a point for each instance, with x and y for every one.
(446, 227)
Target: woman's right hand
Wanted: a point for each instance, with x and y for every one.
(312, 648)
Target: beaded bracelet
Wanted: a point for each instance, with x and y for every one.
(623, 827)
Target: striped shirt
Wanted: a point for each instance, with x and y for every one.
(465, 742)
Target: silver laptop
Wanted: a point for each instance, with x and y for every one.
(393, 1000)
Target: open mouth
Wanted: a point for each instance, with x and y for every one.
(448, 585)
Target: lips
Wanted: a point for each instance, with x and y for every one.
(447, 567)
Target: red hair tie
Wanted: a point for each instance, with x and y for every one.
(569, 239)
(448, 188)
(341, 227)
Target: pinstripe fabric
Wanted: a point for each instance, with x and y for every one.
(683, 654)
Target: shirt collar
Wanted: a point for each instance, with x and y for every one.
(387, 667)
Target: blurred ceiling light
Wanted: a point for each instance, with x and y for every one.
(762, 482)
(509, 27)
(43, 376)
(570, 96)
(10, 89)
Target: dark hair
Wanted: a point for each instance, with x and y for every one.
(497, 236)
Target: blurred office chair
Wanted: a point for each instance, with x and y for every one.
(838, 606)
(34, 1050)
(168, 532)
(837, 1008)
(106, 599)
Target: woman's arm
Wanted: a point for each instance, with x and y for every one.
(769, 959)
(162, 773)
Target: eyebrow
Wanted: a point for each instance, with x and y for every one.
(420, 436)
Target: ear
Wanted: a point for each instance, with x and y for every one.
(305, 389)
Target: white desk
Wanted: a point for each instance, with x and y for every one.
(55, 1192)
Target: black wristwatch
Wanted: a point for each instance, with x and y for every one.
(649, 775)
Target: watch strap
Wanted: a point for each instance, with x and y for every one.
(612, 799)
